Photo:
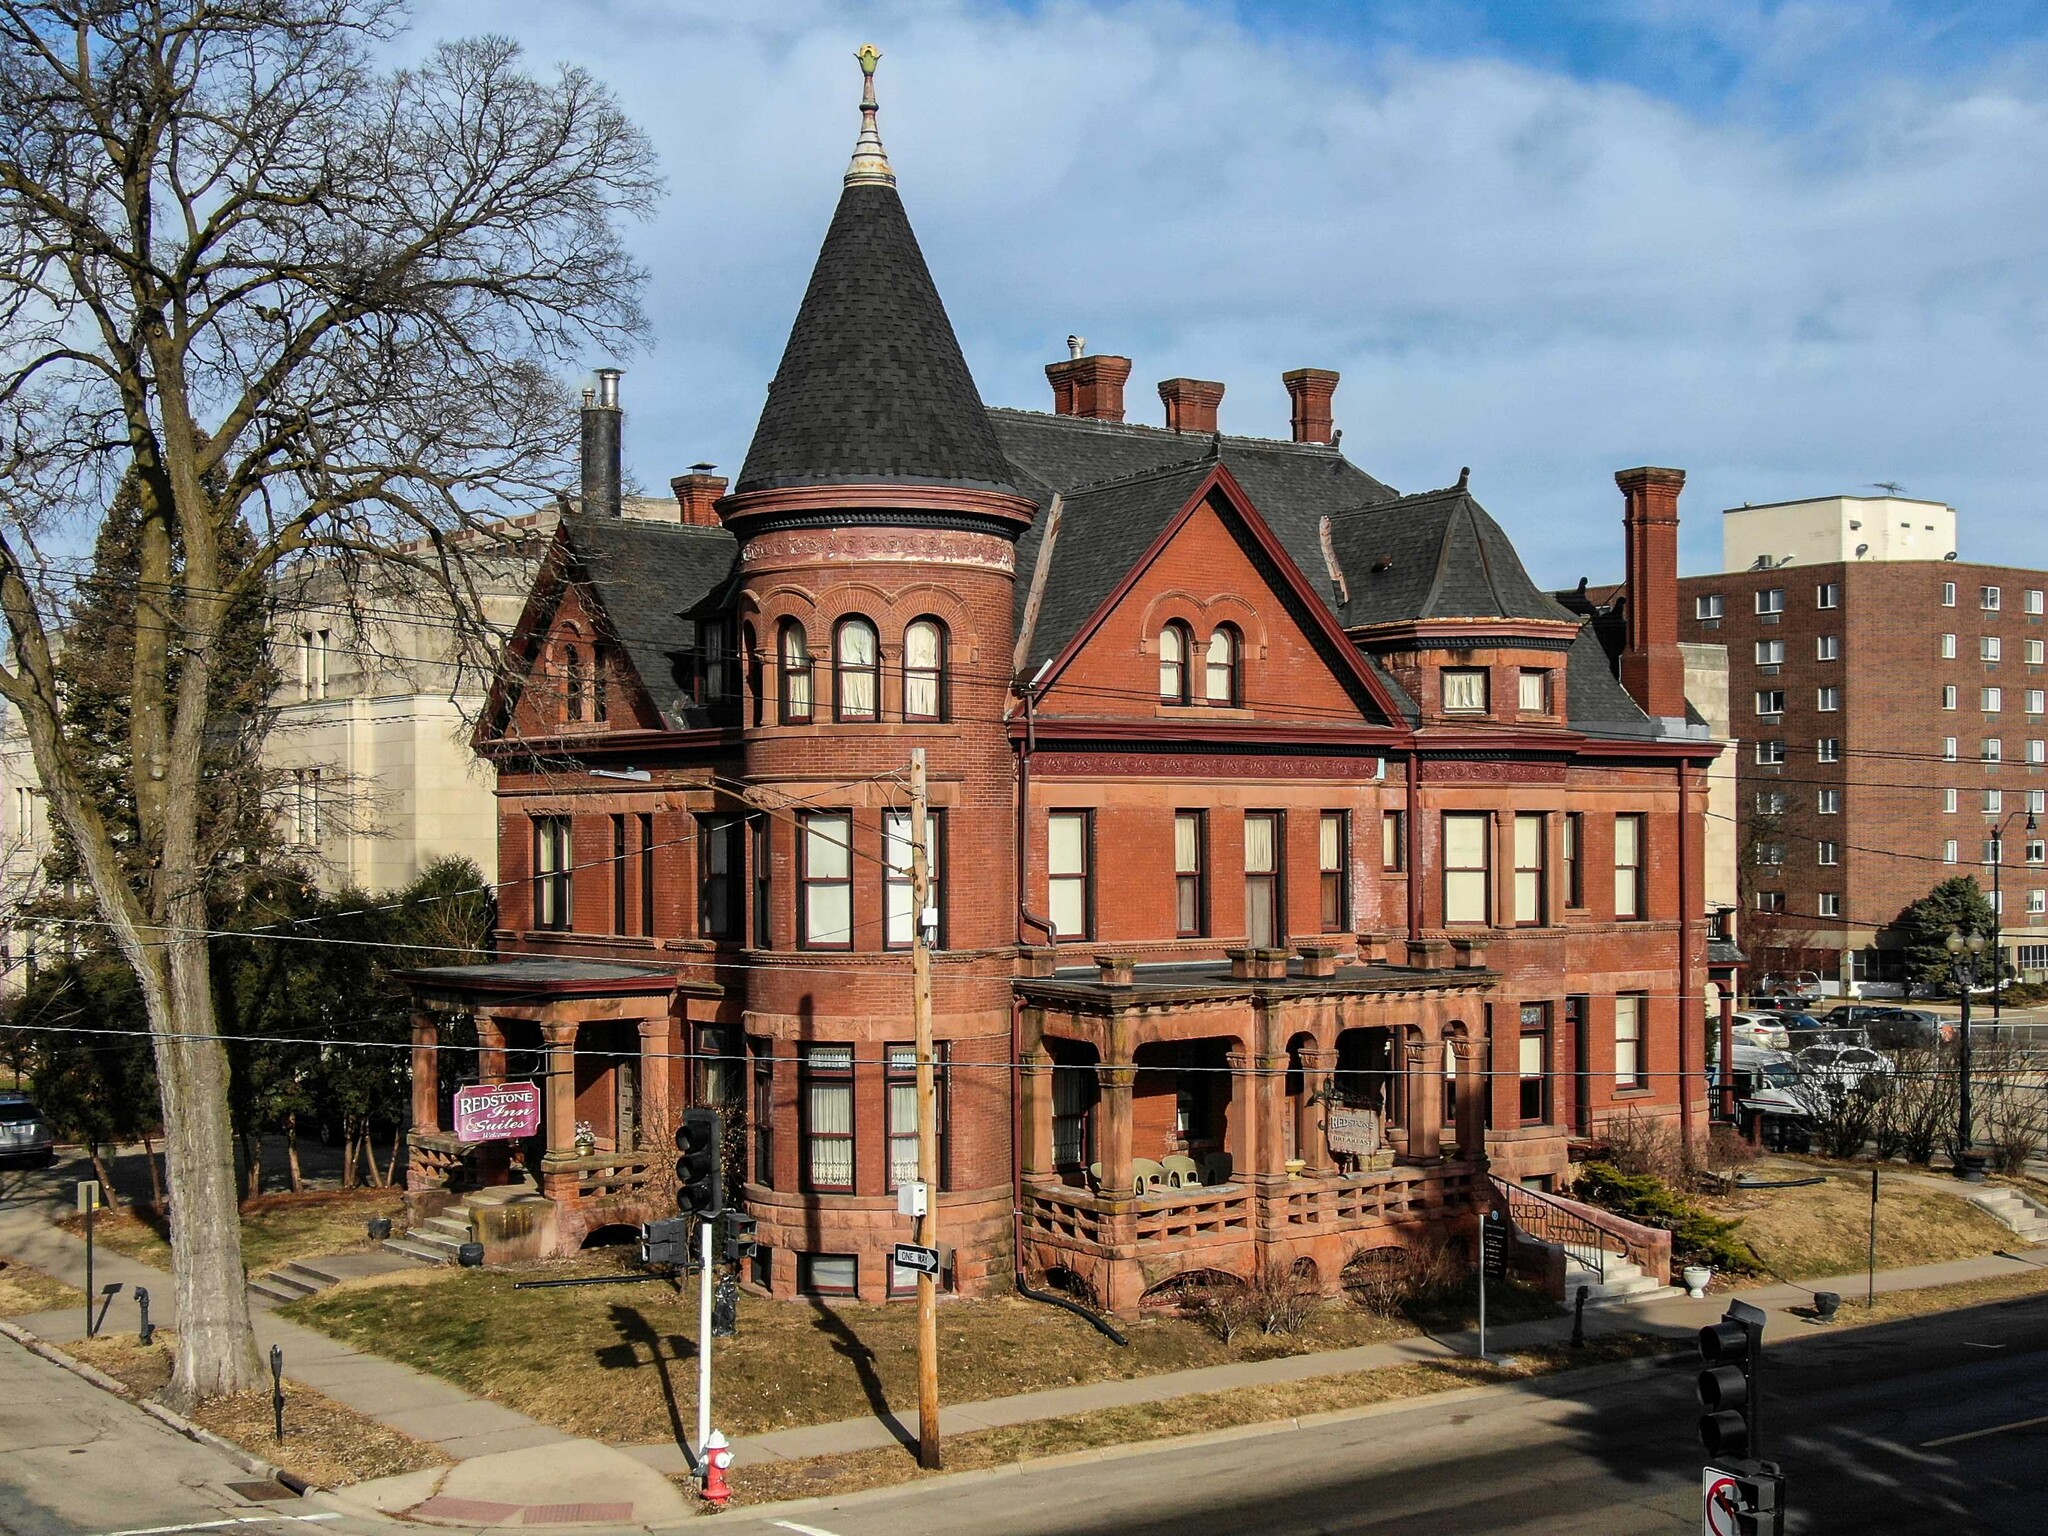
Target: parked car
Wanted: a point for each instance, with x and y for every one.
(1765, 1030)
(25, 1136)
(1848, 1065)
(1805, 1029)
(1769, 1096)
(1905, 1029)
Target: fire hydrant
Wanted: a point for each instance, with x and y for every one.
(717, 1457)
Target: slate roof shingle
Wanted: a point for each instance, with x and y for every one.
(1444, 558)
(872, 386)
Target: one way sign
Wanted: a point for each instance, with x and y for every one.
(924, 1260)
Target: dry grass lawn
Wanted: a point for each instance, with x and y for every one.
(826, 1475)
(618, 1363)
(325, 1443)
(1824, 1229)
(24, 1291)
(1893, 1305)
(275, 1228)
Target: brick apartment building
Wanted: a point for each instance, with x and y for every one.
(1262, 793)
(1892, 710)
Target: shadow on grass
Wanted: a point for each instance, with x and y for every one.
(847, 1343)
(640, 1343)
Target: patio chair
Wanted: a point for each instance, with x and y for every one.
(1146, 1176)
(1182, 1172)
(1217, 1168)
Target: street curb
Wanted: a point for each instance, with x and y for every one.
(1584, 1376)
(248, 1461)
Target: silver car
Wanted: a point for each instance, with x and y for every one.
(25, 1136)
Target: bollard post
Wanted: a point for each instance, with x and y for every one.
(145, 1332)
(277, 1389)
(1579, 1318)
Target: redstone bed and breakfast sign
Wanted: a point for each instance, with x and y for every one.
(497, 1111)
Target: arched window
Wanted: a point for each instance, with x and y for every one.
(795, 651)
(924, 670)
(572, 684)
(859, 674)
(1225, 649)
(750, 647)
(1176, 644)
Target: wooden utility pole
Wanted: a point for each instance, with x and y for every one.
(927, 1115)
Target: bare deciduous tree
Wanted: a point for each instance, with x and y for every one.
(277, 288)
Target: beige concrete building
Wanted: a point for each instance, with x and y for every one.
(1836, 529)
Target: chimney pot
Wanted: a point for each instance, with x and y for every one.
(1311, 389)
(1191, 404)
(697, 493)
(1089, 386)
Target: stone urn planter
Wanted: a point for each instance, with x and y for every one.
(1295, 1165)
(1696, 1277)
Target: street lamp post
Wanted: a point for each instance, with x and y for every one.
(1964, 953)
(1998, 911)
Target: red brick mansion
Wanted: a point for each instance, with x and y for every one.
(1298, 861)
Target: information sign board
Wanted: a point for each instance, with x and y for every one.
(497, 1111)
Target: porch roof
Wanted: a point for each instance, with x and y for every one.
(1206, 981)
(547, 977)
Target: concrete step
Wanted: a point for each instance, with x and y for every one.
(452, 1224)
(2026, 1217)
(424, 1253)
(1614, 1288)
(309, 1272)
(279, 1288)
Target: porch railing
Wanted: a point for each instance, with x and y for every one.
(1179, 1215)
(432, 1158)
(1552, 1221)
(608, 1175)
(1359, 1199)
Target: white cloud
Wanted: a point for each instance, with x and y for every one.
(1540, 276)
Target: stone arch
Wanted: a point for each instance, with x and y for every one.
(1178, 1289)
(616, 1234)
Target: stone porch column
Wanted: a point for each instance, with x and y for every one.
(1270, 1161)
(558, 1050)
(1245, 1092)
(655, 1070)
(426, 1072)
(1311, 1142)
(1473, 1086)
(1035, 1155)
(1113, 1123)
(1425, 1097)
(490, 1049)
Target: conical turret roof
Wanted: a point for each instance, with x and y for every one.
(872, 386)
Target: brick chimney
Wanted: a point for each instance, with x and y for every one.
(697, 494)
(1310, 389)
(1191, 404)
(1089, 386)
(1652, 666)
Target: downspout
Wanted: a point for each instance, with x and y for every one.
(1025, 916)
(1686, 1006)
(1414, 832)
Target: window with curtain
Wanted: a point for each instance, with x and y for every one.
(826, 904)
(924, 671)
(1069, 876)
(1628, 1040)
(1465, 689)
(721, 860)
(1534, 1064)
(1265, 924)
(857, 687)
(1393, 841)
(794, 648)
(553, 859)
(1175, 645)
(1468, 871)
(1225, 653)
(902, 1084)
(897, 917)
(1190, 873)
(763, 1050)
(1333, 846)
(828, 1117)
(1529, 870)
(1628, 866)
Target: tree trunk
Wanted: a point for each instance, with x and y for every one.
(99, 1169)
(349, 1136)
(156, 1178)
(370, 1155)
(252, 1154)
(396, 1168)
(291, 1152)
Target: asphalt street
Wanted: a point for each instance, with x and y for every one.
(1930, 1425)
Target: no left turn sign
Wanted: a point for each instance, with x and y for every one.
(1720, 1499)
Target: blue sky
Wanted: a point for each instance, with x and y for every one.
(1794, 248)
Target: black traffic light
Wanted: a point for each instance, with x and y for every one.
(1732, 1351)
(666, 1242)
(702, 1143)
(740, 1240)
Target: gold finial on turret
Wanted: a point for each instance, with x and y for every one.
(870, 165)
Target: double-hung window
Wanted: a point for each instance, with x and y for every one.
(1770, 753)
(1628, 1041)
(554, 859)
(1265, 918)
(857, 669)
(620, 916)
(902, 1085)
(1827, 648)
(1464, 690)
(1190, 873)
(828, 1117)
(1770, 701)
(897, 915)
(1770, 653)
(1948, 647)
(1707, 605)
(1828, 802)
(1828, 595)
(1530, 870)
(825, 907)
(1771, 600)
(1533, 1064)
(1534, 698)
(1393, 842)
(1827, 700)
(646, 819)
(1628, 866)
(1333, 864)
(1949, 696)
(1827, 851)
(1990, 648)
(1828, 749)
(1468, 867)
(924, 671)
(1069, 873)
(721, 852)
(794, 649)
(1989, 599)
(1991, 700)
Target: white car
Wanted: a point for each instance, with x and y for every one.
(1765, 1031)
(1849, 1065)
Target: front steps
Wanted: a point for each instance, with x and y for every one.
(1622, 1280)
(2026, 1216)
(438, 1239)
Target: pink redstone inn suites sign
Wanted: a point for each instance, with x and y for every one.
(497, 1111)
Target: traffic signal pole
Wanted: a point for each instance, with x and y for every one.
(928, 1453)
(704, 1342)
